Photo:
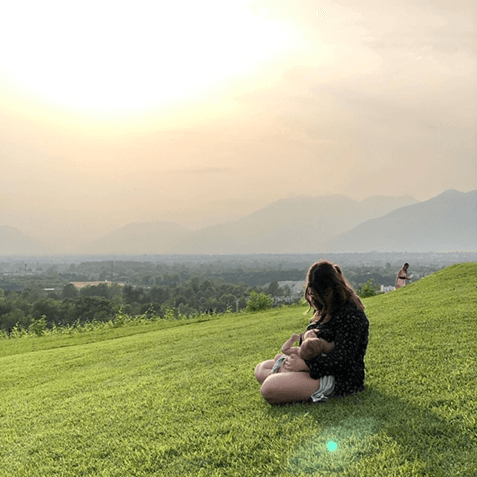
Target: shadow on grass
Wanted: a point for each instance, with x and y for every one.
(383, 432)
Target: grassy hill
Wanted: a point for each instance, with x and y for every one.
(180, 398)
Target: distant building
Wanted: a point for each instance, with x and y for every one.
(80, 285)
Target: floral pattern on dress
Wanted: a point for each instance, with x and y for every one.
(349, 329)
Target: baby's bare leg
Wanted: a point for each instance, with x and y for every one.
(263, 369)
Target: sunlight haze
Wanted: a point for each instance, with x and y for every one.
(201, 112)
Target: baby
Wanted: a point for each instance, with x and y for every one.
(310, 348)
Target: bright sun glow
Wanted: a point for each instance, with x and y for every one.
(120, 56)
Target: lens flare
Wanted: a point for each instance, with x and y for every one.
(332, 446)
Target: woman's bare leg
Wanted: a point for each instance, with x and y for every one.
(263, 369)
(289, 387)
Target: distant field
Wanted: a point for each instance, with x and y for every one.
(180, 398)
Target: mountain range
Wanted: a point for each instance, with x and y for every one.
(329, 223)
(14, 242)
(447, 222)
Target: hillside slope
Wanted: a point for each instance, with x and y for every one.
(179, 398)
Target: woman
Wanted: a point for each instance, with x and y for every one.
(339, 317)
(402, 277)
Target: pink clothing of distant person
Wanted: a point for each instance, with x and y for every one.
(401, 277)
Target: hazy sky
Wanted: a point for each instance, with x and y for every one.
(119, 112)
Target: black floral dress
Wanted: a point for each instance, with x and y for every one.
(349, 329)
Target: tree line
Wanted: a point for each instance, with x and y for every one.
(103, 301)
(186, 285)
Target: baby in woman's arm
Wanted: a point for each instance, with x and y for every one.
(310, 348)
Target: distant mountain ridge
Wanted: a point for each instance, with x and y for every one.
(294, 225)
(447, 222)
(142, 237)
(329, 223)
(14, 242)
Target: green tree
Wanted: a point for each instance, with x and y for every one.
(38, 326)
(68, 311)
(47, 307)
(102, 289)
(179, 300)
(133, 294)
(210, 292)
(204, 285)
(273, 289)
(69, 291)
(194, 282)
(9, 320)
(259, 301)
(158, 294)
(228, 302)
(242, 303)
(367, 289)
(94, 308)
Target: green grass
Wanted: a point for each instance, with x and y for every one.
(180, 398)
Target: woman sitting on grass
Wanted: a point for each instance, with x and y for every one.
(339, 318)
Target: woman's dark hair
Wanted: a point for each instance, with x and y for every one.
(327, 289)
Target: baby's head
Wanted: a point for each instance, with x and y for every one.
(311, 348)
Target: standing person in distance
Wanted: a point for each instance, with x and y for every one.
(402, 277)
